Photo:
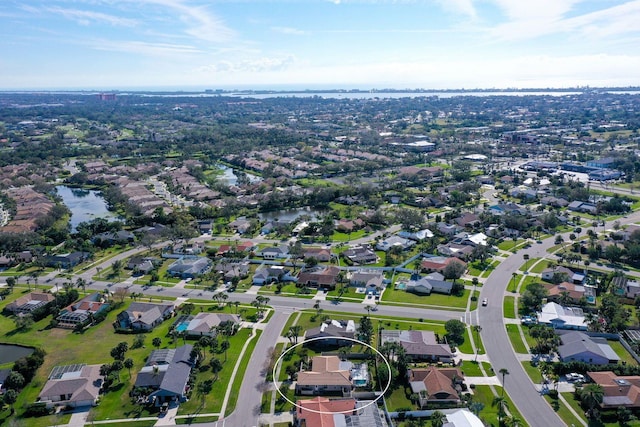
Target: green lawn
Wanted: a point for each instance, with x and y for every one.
(472, 369)
(399, 400)
(532, 371)
(434, 300)
(539, 267)
(213, 401)
(489, 414)
(625, 356)
(242, 367)
(508, 245)
(490, 268)
(562, 410)
(466, 346)
(346, 237)
(65, 347)
(516, 340)
(288, 290)
(508, 306)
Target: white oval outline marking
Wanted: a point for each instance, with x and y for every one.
(279, 360)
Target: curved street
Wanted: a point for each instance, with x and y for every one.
(533, 407)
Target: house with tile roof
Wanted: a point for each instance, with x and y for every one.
(324, 412)
(360, 255)
(28, 303)
(189, 267)
(438, 263)
(436, 385)
(617, 390)
(433, 282)
(319, 276)
(328, 376)
(82, 312)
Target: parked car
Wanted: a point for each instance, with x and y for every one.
(485, 302)
(574, 377)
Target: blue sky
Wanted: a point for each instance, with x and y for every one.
(121, 44)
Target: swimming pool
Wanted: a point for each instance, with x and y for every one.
(401, 286)
(182, 326)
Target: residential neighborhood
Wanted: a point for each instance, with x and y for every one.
(453, 261)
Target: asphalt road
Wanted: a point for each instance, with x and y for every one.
(534, 409)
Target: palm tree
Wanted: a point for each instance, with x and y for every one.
(592, 395)
(81, 283)
(216, 367)
(128, 363)
(513, 421)
(477, 329)
(437, 419)
(501, 403)
(504, 372)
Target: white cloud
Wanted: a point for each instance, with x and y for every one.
(529, 20)
(464, 7)
(86, 17)
(289, 30)
(517, 72)
(615, 20)
(258, 65)
(144, 48)
(519, 10)
(200, 22)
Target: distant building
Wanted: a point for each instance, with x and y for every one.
(106, 96)
(603, 163)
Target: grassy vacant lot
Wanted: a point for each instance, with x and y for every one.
(64, 347)
(288, 290)
(434, 300)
